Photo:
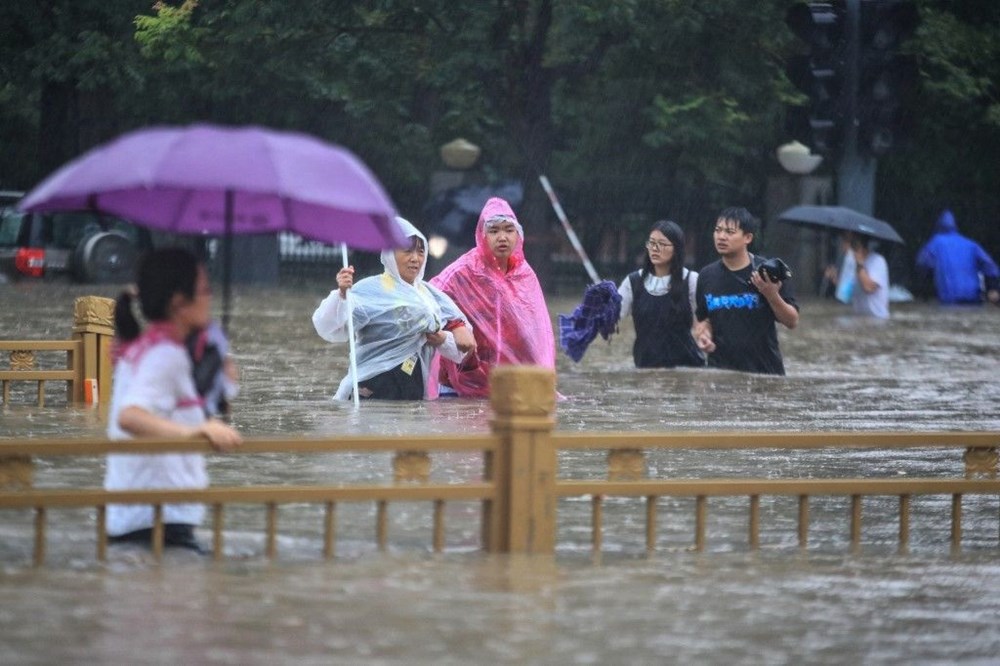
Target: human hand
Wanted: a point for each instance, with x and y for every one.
(705, 343)
(436, 339)
(232, 372)
(764, 285)
(345, 280)
(703, 337)
(221, 436)
(464, 339)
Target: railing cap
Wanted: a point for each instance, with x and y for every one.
(523, 390)
(94, 314)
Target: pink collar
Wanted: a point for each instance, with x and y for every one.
(155, 333)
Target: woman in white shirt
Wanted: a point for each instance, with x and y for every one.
(154, 395)
(661, 299)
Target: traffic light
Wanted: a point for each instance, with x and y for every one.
(886, 78)
(821, 74)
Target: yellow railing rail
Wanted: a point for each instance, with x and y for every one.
(87, 355)
(22, 355)
(520, 488)
(775, 440)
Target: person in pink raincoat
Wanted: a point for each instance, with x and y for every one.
(499, 292)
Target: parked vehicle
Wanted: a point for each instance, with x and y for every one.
(87, 246)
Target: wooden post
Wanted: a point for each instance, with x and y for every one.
(522, 519)
(94, 325)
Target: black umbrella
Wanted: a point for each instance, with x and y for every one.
(839, 217)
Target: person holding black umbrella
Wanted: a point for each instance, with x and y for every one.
(868, 289)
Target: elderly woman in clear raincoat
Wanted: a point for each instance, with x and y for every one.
(401, 323)
(499, 292)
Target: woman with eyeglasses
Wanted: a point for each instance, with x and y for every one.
(661, 299)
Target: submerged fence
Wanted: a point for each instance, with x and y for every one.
(520, 486)
(86, 358)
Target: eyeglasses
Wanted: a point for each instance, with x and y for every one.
(657, 245)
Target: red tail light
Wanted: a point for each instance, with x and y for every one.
(30, 261)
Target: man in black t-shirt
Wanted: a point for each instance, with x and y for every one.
(737, 307)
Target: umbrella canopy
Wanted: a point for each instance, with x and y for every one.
(207, 179)
(844, 219)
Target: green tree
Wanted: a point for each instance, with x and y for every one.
(66, 65)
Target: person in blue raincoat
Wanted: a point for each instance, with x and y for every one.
(957, 263)
(401, 323)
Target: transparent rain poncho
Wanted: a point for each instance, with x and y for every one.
(510, 320)
(391, 320)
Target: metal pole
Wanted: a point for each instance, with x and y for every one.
(227, 261)
(351, 343)
(856, 172)
(574, 241)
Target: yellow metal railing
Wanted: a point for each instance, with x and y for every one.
(88, 355)
(22, 355)
(520, 488)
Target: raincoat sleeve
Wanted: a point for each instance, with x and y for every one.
(925, 257)
(330, 318)
(986, 265)
(449, 311)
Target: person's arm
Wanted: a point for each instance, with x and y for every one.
(691, 277)
(330, 318)
(786, 313)
(162, 378)
(991, 274)
(703, 336)
(139, 422)
(461, 334)
(625, 291)
(449, 347)
(925, 257)
(872, 278)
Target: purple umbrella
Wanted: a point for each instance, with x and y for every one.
(207, 179)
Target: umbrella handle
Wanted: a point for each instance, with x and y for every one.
(353, 354)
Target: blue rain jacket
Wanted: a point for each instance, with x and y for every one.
(957, 262)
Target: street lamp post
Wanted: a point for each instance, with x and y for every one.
(799, 186)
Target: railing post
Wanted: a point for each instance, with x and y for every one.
(522, 519)
(94, 325)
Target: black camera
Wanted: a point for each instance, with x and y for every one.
(774, 270)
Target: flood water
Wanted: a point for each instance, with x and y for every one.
(929, 368)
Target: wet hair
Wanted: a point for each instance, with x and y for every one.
(416, 243)
(161, 274)
(742, 218)
(674, 234)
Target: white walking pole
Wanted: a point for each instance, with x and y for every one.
(574, 241)
(350, 335)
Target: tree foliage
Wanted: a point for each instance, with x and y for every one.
(635, 109)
